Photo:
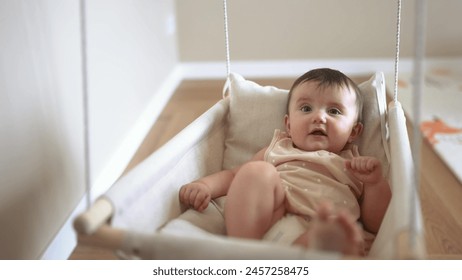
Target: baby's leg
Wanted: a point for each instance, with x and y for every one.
(331, 232)
(255, 201)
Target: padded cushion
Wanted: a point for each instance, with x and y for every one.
(374, 138)
(256, 111)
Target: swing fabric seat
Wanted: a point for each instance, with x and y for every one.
(148, 222)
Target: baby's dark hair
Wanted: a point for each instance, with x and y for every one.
(327, 77)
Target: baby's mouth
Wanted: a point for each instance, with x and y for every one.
(318, 132)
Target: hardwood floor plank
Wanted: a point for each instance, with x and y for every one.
(440, 194)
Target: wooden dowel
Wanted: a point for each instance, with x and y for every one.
(89, 221)
(105, 237)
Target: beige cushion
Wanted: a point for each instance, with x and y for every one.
(374, 138)
(254, 112)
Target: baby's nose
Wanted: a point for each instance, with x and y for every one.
(319, 116)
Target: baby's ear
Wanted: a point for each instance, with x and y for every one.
(287, 123)
(355, 132)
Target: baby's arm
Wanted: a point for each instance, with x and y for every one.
(377, 193)
(198, 194)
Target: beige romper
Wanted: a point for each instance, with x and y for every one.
(309, 178)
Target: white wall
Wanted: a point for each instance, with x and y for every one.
(41, 140)
(132, 52)
(132, 57)
(262, 30)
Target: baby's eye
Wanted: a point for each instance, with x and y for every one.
(334, 111)
(305, 108)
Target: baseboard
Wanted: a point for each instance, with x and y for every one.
(65, 240)
(288, 68)
(294, 68)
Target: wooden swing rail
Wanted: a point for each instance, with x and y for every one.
(93, 229)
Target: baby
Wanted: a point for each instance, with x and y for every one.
(312, 171)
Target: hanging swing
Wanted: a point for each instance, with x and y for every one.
(141, 217)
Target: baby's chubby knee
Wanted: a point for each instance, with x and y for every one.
(258, 170)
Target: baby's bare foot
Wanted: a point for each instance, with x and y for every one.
(334, 232)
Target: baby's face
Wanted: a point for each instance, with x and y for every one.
(322, 118)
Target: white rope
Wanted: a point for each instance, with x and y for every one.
(86, 133)
(398, 34)
(228, 59)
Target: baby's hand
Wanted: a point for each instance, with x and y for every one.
(366, 169)
(196, 195)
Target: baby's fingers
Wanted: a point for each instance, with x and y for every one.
(202, 201)
(362, 164)
(359, 164)
(184, 194)
(195, 195)
(188, 194)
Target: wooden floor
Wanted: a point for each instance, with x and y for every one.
(441, 193)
